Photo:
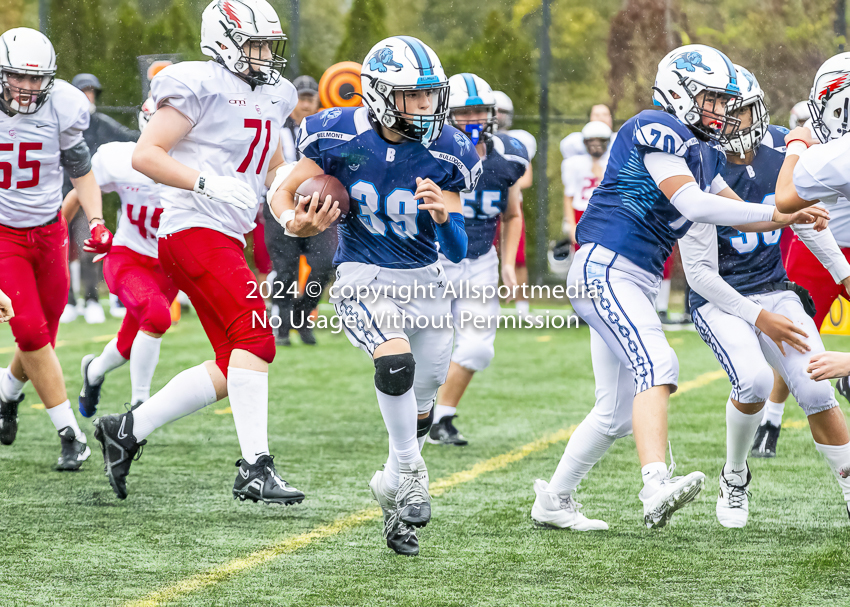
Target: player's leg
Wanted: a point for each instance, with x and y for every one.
(817, 399)
(319, 253)
(615, 298)
(767, 435)
(737, 349)
(522, 304)
(610, 419)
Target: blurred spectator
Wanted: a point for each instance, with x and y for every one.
(581, 173)
(286, 251)
(102, 129)
(573, 144)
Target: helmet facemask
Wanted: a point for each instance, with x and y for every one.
(263, 63)
(475, 130)
(424, 128)
(37, 97)
(751, 130)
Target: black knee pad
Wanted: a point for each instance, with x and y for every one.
(423, 426)
(394, 373)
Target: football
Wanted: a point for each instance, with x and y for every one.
(326, 185)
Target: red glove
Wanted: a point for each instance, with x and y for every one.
(100, 241)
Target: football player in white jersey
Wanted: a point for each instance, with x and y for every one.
(581, 173)
(41, 134)
(213, 144)
(132, 272)
(814, 173)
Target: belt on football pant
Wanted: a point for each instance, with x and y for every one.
(802, 293)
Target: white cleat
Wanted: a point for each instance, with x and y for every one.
(69, 314)
(733, 502)
(94, 314)
(560, 511)
(412, 499)
(668, 495)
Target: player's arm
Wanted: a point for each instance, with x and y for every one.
(446, 210)
(70, 205)
(276, 162)
(674, 178)
(527, 178)
(787, 198)
(699, 259)
(822, 244)
(299, 219)
(510, 236)
(6, 311)
(150, 157)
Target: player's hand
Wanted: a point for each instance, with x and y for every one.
(6, 311)
(826, 365)
(308, 221)
(806, 216)
(100, 241)
(780, 329)
(431, 199)
(803, 134)
(509, 278)
(228, 190)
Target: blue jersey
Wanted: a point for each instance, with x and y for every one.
(749, 261)
(505, 163)
(627, 213)
(384, 226)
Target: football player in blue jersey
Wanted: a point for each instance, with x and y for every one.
(505, 160)
(663, 174)
(741, 300)
(404, 170)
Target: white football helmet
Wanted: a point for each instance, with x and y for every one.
(596, 129)
(686, 72)
(228, 25)
(800, 115)
(468, 91)
(147, 110)
(25, 51)
(401, 64)
(748, 138)
(829, 100)
(505, 107)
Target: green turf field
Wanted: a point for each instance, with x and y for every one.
(179, 538)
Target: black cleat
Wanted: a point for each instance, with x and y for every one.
(282, 340)
(90, 394)
(9, 420)
(764, 444)
(261, 483)
(444, 432)
(401, 538)
(74, 451)
(306, 335)
(843, 387)
(120, 448)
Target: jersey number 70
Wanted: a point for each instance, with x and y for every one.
(397, 210)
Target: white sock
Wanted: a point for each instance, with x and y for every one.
(586, 447)
(773, 413)
(187, 392)
(10, 386)
(441, 411)
(523, 307)
(249, 400)
(144, 356)
(391, 472)
(662, 300)
(740, 431)
(62, 416)
(653, 473)
(838, 458)
(399, 414)
(108, 360)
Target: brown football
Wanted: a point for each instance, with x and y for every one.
(326, 185)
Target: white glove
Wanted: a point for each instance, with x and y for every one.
(226, 189)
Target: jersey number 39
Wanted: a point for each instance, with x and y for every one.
(398, 207)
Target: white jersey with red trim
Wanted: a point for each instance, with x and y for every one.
(823, 173)
(30, 173)
(235, 131)
(140, 196)
(579, 180)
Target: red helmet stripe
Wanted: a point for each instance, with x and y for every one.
(231, 13)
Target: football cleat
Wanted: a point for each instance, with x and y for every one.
(444, 432)
(843, 387)
(400, 538)
(663, 497)
(306, 335)
(733, 506)
(764, 444)
(412, 499)
(74, 450)
(90, 394)
(120, 448)
(260, 482)
(9, 419)
(560, 511)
